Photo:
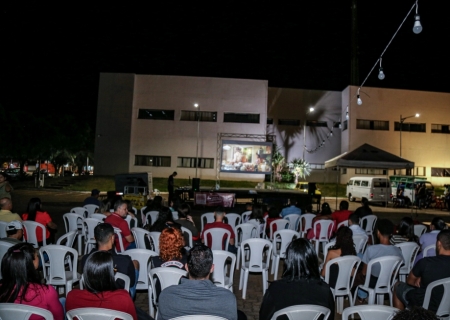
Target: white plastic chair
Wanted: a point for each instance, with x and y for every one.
(143, 215)
(89, 225)
(326, 228)
(80, 211)
(99, 216)
(4, 246)
(206, 218)
(342, 224)
(360, 241)
(281, 225)
(74, 222)
(154, 237)
(258, 260)
(293, 221)
(132, 222)
(282, 238)
(223, 271)
(190, 244)
(143, 256)
(55, 273)
(3, 225)
(245, 216)
(344, 281)
(32, 228)
(217, 236)
(118, 234)
(91, 208)
(260, 227)
(244, 231)
(166, 277)
(199, 317)
(22, 311)
(370, 220)
(302, 312)
(97, 314)
(67, 240)
(326, 248)
(429, 251)
(370, 312)
(419, 229)
(305, 223)
(140, 235)
(233, 219)
(409, 252)
(443, 311)
(153, 217)
(389, 266)
(117, 275)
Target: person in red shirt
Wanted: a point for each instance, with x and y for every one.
(35, 213)
(219, 215)
(117, 220)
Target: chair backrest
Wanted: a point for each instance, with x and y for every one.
(429, 251)
(132, 222)
(389, 266)
(344, 281)
(444, 306)
(371, 219)
(3, 225)
(97, 314)
(419, 229)
(4, 246)
(245, 231)
(205, 218)
(360, 241)
(81, 211)
(184, 230)
(153, 217)
(306, 222)
(326, 228)
(140, 235)
(286, 236)
(409, 252)
(89, 225)
(72, 221)
(223, 270)
(293, 221)
(327, 247)
(245, 216)
(280, 223)
(214, 238)
(22, 311)
(67, 239)
(98, 216)
(142, 214)
(342, 224)
(233, 219)
(303, 311)
(118, 234)
(32, 228)
(370, 312)
(143, 256)
(57, 255)
(199, 317)
(154, 239)
(260, 252)
(167, 277)
(260, 227)
(91, 208)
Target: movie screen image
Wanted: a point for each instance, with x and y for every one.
(246, 157)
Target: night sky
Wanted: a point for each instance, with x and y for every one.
(52, 55)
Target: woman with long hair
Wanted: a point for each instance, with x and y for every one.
(300, 284)
(22, 284)
(171, 250)
(405, 232)
(35, 213)
(101, 290)
(257, 218)
(185, 220)
(165, 220)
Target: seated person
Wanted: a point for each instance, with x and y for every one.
(219, 215)
(35, 213)
(171, 250)
(257, 218)
(429, 238)
(272, 216)
(405, 232)
(185, 220)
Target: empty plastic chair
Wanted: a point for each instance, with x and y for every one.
(132, 221)
(303, 311)
(305, 223)
(18, 311)
(154, 237)
(74, 221)
(91, 208)
(31, 230)
(443, 310)
(293, 221)
(89, 225)
(370, 312)
(409, 252)
(97, 314)
(99, 216)
(280, 225)
(224, 263)
(360, 241)
(245, 216)
(83, 212)
(150, 218)
(368, 224)
(143, 256)
(190, 243)
(244, 231)
(326, 228)
(140, 235)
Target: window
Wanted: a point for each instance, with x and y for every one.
(411, 127)
(319, 166)
(288, 122)
(189, 162)
(370, 171)
(345, 127)
(357, 183)
(364, 183)
(420, 171)
(440, 172)
(440, 128)
(154, 114)
(314, 123)
(269, 121)
(152, 161)
(241, 117)
(372, 124)
(207, 116)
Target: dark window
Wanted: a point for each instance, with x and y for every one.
(314, 123)
(372, 124)
(189, 162)
(241, 117)
(269, 121)
(288, 122)
(370, 171)
(440, 172)
(152, 161)
(337, 125)
(345, 125)
(154, 114)
(440, 128)
(420, 171)
(206, 116)
(411, 127)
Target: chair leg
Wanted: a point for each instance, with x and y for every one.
(151, 309)
(339, 304)
(241, 278)
(244, 289)
(265, 278)
(238, 256)
(277, 263)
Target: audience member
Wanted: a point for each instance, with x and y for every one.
(364, 209)
(5, 211)
(429, 238)
(405, 232)
(416, 313)
(117, 220)
(35, 213)
(219, 214)
(101, 290)
(22, 283)
(292, 209)
(5, 187)
(93, 199)
(426, 270)
(338, 216)
(300, 284)
(165, 220)
(14, 232)
(353, 224)
(272, 216)
(257, 218)
(171, 250)
(185, 220)
(197, 295)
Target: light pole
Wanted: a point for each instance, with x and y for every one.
(311, 109)
(401, 125)
(198, 136)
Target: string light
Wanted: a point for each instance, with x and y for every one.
(381, 73)
(358, 98)
(417, 25)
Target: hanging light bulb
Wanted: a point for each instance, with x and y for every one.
(331, 133)
(417, 25)
(381, 73)
(358, 98)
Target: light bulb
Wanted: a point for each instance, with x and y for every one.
(346, 115)
(417, 25)
(358, 100)
(381, 74)
(331, 133)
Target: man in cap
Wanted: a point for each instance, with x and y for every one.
(14, 232)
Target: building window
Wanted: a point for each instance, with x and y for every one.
(269, 121)
(188, 162)
(370, 171)
(288, 122)
(420, 171)
(440, 128)
(344, 171)
(314, 123)
(411, 127)
(372, 124)
(155, 114)
(241, 117)
(440, 172)
(152, 161)
(317, 166)
(207, 116)
(337, 125)
(345, 127)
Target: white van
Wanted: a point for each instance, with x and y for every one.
(375, 189)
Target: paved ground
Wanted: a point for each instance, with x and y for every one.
(58, 202)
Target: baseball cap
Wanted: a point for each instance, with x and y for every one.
(14, 225)
(95, 192)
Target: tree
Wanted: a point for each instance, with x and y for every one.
(299, 168)
(277, 163)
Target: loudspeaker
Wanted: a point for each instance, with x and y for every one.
(312, 188)
(195, 184)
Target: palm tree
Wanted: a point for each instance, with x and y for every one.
(277, 163)
(299, 168)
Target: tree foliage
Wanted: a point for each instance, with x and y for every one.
(299, 168)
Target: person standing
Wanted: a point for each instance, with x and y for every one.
(170, 186)
(5, 187)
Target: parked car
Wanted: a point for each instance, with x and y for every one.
(13, 173)
(43, 172)
(374, 189)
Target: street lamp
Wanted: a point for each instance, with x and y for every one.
(401, 125)
(311, 109)
(198, 136)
